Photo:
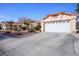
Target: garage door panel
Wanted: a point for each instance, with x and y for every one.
(57, 27)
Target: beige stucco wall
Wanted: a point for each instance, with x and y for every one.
(73, 25)
(42, 25)
(47, 19)
(61, 17)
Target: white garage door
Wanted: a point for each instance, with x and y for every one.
(57, 26)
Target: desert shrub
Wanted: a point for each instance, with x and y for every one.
(23, 28)
(38, 28)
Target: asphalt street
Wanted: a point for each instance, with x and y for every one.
(41, 44)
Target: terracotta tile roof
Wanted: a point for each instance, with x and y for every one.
(62, 13)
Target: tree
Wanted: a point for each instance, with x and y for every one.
(25, 22)
(77, 8)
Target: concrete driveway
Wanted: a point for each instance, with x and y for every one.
(41, 44)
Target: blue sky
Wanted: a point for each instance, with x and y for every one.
(35, 11)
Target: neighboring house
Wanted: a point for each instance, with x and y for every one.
(6, 26)
(16, 26)
(33, 24)
(59, 22)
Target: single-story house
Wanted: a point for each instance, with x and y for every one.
(59, 22)
(34, 24)
(6, 26)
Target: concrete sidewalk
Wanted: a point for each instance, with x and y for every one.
(41, 44)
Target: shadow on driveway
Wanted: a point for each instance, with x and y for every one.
(3, 37)
(20, 34)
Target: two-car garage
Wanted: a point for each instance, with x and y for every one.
(57, 26)
(59, 22)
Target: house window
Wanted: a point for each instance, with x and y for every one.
(60, 21)
(67, 21)
(63, 21)
(56, 22)
(53, 22)
(48, 22)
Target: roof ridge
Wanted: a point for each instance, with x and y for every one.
(65, 13)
